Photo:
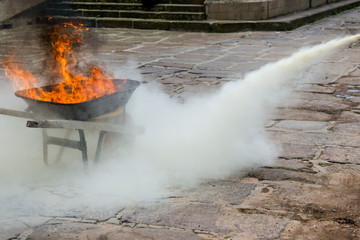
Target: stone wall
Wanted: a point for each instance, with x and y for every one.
(10, 8)
(257, 9)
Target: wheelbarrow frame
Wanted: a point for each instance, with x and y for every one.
(95, 124)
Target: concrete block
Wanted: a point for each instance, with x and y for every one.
(257, 9)
(302, 4)
(254, 6)
(273, 12)
(252, 15)
(316, 3)
(10, 8)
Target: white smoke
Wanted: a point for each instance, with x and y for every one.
(206, 137)
(216, 135)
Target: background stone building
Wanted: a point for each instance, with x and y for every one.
(257, 9)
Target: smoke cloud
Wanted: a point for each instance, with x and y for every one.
(211, 136)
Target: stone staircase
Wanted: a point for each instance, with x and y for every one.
(166, 15)
(195, 15)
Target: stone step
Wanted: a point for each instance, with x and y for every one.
(138, 1)
(129, 14)
(282, 23)
(194, 25)
(128, 6)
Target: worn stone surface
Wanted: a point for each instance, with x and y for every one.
(229, 192)
(100, 214)
(289, 151)
(301, 115)
(207, 217)
(10, 228)
(351, 128)
(349, 116)
(310, 192)
(113, 221)
(295, 165)
(323, 106)
(341, 155)
(314, 96)
(282, 174)
(349, 80)
(323, 230)
(301, 125)
(309, 138)
(199, 216)
(306, 204)
(316, 88)
(72, 231)
(351, 169)
(34, 221)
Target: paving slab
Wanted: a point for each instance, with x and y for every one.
(351, 128)
(322, 106)
(349, 80)
(33, 221)
(294, 165)
(282, 174)
(313, 88)
(341, 155)
(226, 191)
(296, 151)
(207, 217)
(323, 230)
(10, 228)
(194, 216)
(301, 125)
(310, 138)
(349, 116)
(310, 190)
(72, 231)
(311, 202)
(301, 115)
(350, 168)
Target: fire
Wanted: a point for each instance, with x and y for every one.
(74, 86)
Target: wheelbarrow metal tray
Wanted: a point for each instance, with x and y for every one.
(83, 110)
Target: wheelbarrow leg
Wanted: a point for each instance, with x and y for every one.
(83, 148)
(62, 148)
(45, 146)
(99, 145)
(64, 142)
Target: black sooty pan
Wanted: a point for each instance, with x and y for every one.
(83, 110)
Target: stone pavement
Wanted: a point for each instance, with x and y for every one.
(311, 192)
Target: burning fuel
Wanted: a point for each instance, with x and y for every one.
(73, 86)
(206, 137)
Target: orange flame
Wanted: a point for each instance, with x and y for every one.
(74, 87)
